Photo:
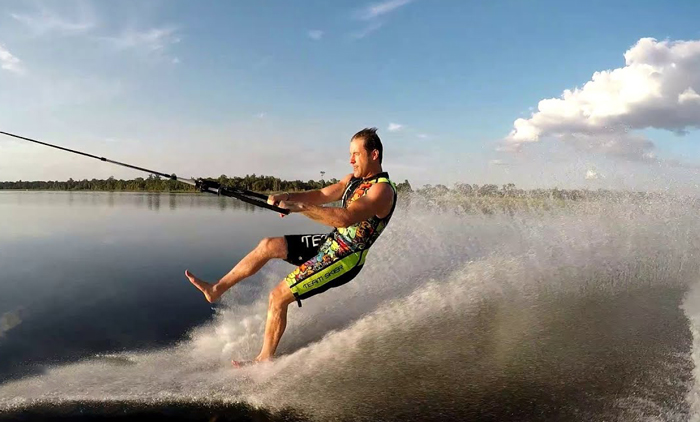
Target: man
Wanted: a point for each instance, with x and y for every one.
(324, 260)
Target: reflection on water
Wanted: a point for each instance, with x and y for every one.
(10, 320)
(140, 200)
(99, 272)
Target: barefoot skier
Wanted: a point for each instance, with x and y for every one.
(327, 260)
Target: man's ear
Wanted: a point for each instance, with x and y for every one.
(375, 154)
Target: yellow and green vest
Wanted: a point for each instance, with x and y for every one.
(362, 235)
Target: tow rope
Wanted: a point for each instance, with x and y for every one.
(250, 197)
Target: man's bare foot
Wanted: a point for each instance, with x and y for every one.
(208, 289)
(243, 363)
(261, 359)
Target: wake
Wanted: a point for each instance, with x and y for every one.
(455, 314)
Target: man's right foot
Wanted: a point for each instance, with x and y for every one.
(207, 289)
(241, 363)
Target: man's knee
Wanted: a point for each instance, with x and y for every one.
(275, 247)
(280, 296)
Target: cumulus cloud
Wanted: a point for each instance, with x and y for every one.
(394, 127)
(9, 62)
(315, 34)
(657, 88)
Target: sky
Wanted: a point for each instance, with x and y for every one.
(537, 93)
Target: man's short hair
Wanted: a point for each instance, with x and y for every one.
(372, 141)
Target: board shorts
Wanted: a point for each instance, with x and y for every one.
(317, 270)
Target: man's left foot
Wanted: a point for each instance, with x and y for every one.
(208, 289)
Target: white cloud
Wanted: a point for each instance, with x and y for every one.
(153, 39)
(657, 88)
(315, 34)
(46, 21)
(260, 115)
(9, 62)
(394, 127)
(378, 9)
(372, 13)
(152, 42)
(498, 163)
(688, 95)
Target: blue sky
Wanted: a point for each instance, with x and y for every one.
(237, 87)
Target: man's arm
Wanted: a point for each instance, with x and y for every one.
(377, 201)
(328, 194)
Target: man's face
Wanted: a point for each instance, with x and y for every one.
(359, 158)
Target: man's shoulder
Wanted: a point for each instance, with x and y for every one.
(382, 195)
(382, 191)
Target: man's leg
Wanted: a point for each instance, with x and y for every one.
(268, 248)
(280, 299)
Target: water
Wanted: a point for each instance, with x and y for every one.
(586, 313)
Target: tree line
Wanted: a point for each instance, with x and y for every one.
(154, 183)
(268, 184)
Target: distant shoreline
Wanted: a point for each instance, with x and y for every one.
(256, 183)
(110, 191)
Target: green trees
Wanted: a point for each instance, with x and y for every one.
(157, 184)
(274, 184)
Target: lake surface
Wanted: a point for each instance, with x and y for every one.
(103, 272)
(588, 313)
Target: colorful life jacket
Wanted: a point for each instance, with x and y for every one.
(362, 235)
